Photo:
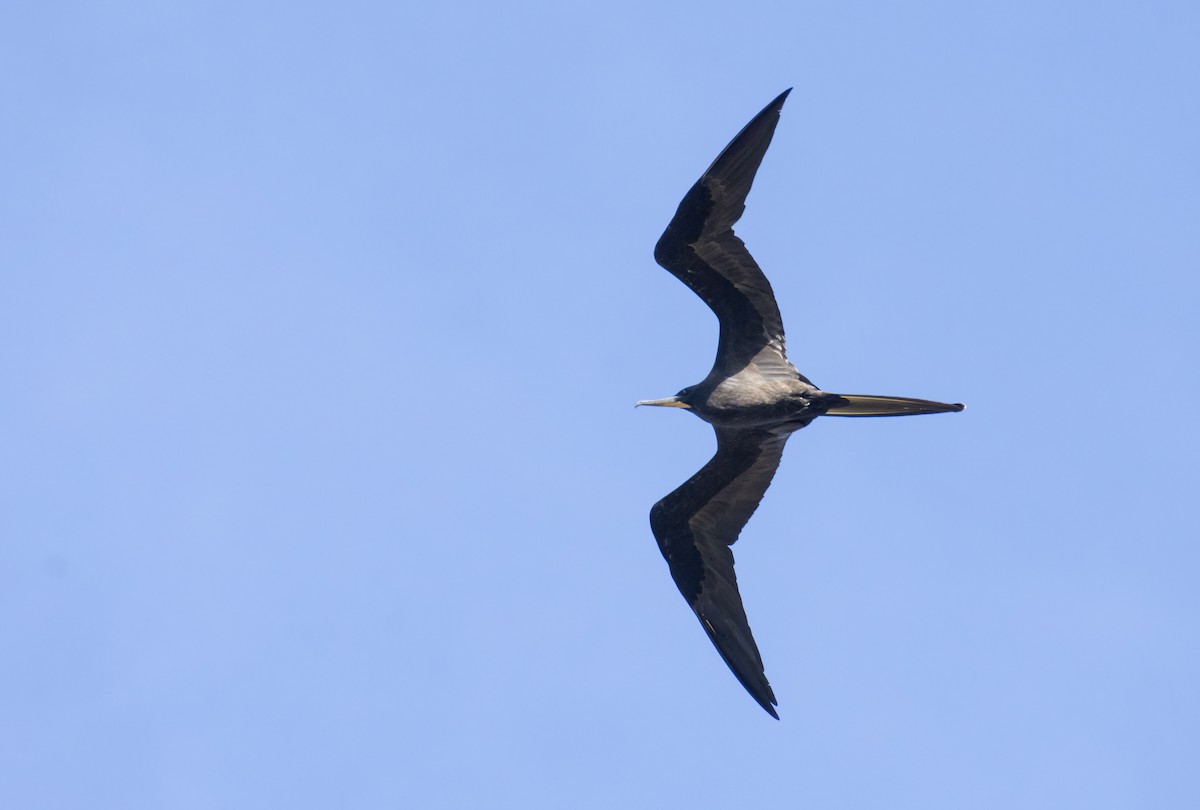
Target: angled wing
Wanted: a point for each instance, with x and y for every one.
(700, 248)
(695, 526)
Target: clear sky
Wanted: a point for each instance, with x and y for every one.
(320, 328)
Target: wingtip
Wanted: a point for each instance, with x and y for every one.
(766, 698)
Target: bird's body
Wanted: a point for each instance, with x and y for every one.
(749, 400)
(753, 397)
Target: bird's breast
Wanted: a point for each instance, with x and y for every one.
(762, 403)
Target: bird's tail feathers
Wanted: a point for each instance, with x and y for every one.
(868, 405)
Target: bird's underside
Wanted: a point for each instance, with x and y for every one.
(753, 397)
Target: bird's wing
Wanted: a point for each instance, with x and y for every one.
(695, 526)
(700, 248)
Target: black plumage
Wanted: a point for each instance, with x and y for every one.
(753, 397)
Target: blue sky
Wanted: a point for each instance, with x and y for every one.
(320, 328)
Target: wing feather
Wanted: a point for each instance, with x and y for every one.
(700, 248)
(695, 526)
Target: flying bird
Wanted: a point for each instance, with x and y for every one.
(753, 397)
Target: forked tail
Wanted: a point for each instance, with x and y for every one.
(867, 405)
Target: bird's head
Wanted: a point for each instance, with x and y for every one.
(681, 400)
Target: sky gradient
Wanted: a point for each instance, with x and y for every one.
(320, 328)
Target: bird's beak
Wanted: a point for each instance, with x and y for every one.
(669, 402)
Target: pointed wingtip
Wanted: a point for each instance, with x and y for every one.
(764, 696)
(776, 104)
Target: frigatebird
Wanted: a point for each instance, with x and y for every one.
(753, 397)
